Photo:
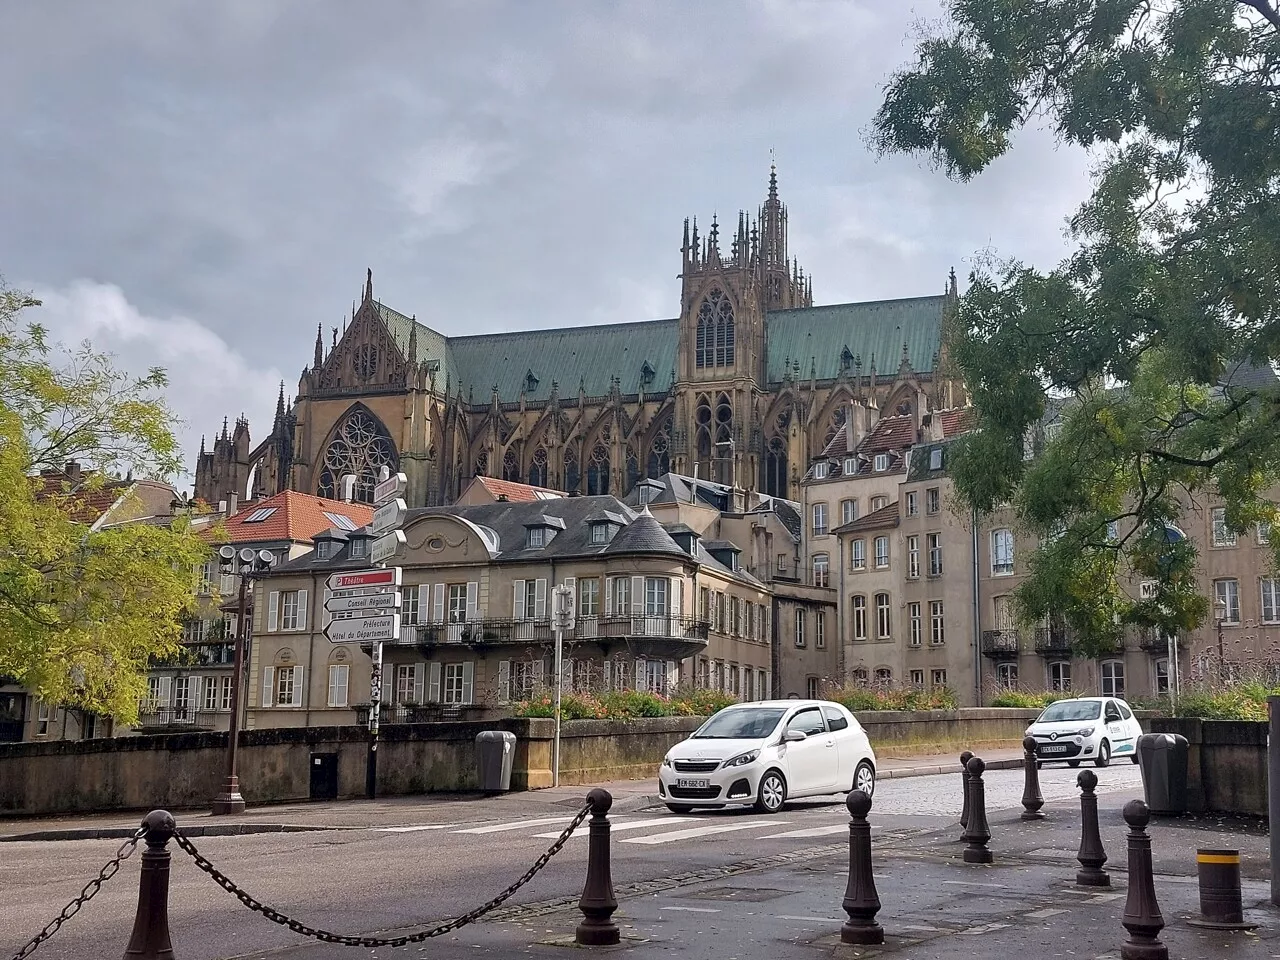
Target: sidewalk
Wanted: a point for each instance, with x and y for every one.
(358, 814)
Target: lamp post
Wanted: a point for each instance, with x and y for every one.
(1220, 614)
(251, 562)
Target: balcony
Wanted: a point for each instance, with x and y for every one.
(1053, 643)
(659, 636)
(170, 719)
(1153, 641)
(422, 713)
(1000, 644)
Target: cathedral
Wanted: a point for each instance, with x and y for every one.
(746, 385)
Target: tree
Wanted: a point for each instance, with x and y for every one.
(83, 610)
(1150, 337)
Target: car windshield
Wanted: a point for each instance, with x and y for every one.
(1068, 710)
(753, 723)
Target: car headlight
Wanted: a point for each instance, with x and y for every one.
(1086, 732)
(666, 761)
(742, 759)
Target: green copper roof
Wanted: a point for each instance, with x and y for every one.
(589, 356)
(431, 346)
(817, 337)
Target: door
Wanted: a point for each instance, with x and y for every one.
(848, 746)
(1117, 729)
(813, 764)
(1128, 730)
(324, 776)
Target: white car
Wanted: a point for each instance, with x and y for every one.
(766, 753)
(1086, 728)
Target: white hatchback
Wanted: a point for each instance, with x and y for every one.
(1086, 728)
(766, 753)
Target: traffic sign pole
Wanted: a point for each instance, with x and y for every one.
(562, 619)
(387, 519)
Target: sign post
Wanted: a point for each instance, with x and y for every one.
(562, 620)
(387, 519)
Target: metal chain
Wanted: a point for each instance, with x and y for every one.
(90, 889)
(275, 916)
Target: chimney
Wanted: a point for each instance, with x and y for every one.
(348, 488)
(232, 505)
(73, 472)
(857, 424)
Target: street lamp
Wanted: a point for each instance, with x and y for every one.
(1220, 614)
(251, 563)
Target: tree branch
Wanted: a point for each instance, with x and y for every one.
(1264, 8)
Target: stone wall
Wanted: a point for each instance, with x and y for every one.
(1226, 764)
(903, 734)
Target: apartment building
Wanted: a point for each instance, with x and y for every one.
(656, 608)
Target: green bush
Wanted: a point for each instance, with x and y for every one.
(869, 699)
(1244, 702)
(624, 705)
(1028, 699)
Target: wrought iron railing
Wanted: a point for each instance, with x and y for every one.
(585, 628)
(1000, 643)
(177, 717)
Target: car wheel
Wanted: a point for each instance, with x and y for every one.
(772, 793)
(679, 808)
(1073, 763)
(1104, 754)
(864, 778)
(1134, 758)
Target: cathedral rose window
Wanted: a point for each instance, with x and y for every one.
(360, 447)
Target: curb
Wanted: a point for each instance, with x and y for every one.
(123, 833)
(1014, 763)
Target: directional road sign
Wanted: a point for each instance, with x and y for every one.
(386, 546)
(366, 601)
(390, 488)
(387, 578)
(364, 630)
(389, 516)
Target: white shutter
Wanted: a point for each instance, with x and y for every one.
(539, 673)
(197, 693)
(517, 600)
(677, 597)
(268, 685)
(273, 611)
(166, 690)
(302, 610)
(468, 680)
(299, 686)
(433, 685)
(672, 676)
(424, 604)
(640, 675)
(637, 594)
(540, 599)
(608, 596)
(606, 674)
(438, 612)
(417, 682)
(386, 686)
(572, 584)
(473, 599)
(504, 681)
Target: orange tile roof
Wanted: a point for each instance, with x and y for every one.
(83, 506)
(296, 517)
(890, 433)
(956, 421)
(514, 492)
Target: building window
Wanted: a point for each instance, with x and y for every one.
(600, 533)
(879, 503)
(913, 504)
(935, 458)
(655, 677)
(1262, 532)
(210, 694)
(409, 605)
(181, 697)
(714, 343)
(589, 597)
(43, 716)
(338, 674)
(1270, 600)
(1007, 675)
(917, 678)
(913, 557)
(1060, 675)
(820, 573)
(819, 519)
(932, 500)
(224, 701)
(1222, 535)
(1227, 595)
(882, 553)
(848, 511)
(937, 625)
(811, 688)
(916, 624)
(859, 618)
(455, 686)
(289, 613)
(192, 631)
(404, 677)
(287, 692)
(883, 625)
(858, 555)
(458, 602)
(1113, 678)
(1001, 552)
(820, 470)
(1162, 676)
(1113, 531)
(882, 462)
(938, 678)
(359, 547)
(850, 466)
(860, 675)
(799, 628)
(655, 596)
(934, 542)
(537, 537)
(884, 675)
(820, 630)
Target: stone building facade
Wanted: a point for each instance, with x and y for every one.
(744, 387)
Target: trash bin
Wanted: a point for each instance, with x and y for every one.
(1163, 760)
(495, 756)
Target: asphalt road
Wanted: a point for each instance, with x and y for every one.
(379, 879)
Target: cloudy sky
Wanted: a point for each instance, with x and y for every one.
(197, 185)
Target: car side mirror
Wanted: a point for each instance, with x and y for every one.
(795, 736)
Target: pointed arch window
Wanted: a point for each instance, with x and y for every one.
(598, 471)
(510, 467)
(360, 448)
(775, 468)
(538, 468)
(660, 452)
(572, 472)
(714, 343)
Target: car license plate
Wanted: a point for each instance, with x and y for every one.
(693, 784)
(1055, 748)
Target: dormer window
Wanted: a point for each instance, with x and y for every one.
(601, 532)
(935, 458)
(359, 547)
(538, 537)
(324, 549)
(850, 466)
(882, 462)
(646, 493)
(820, 471)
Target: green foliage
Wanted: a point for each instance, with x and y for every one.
(624, 705)
(865, 699)
(83, 611)
(1027, 699)
(1134, 341)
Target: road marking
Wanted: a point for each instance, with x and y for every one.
(433, 826)
(631, 825)
(970, 883)
(689, 909)
(500, 827)
(826, 831)
(694, 832)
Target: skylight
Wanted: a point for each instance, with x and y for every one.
(339, 521)
(259, 515)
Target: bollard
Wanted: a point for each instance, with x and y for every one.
(861, 902)
(1221, 907)
(1141, 911)
(1032, 798)
(150, 938)
(597, 904)
(977, 833)
(1092, 855)
(964, 789)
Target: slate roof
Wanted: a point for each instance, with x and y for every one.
(645, 534)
